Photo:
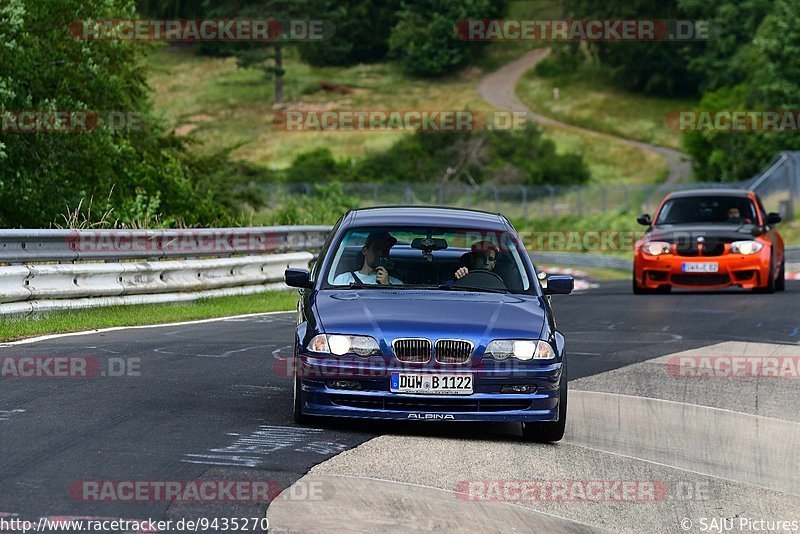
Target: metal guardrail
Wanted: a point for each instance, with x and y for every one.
(63, 269)
(35, 246)
(57, 269)
(584, 261)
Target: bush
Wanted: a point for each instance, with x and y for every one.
(316, 166)
(324, 206)
(425, 40)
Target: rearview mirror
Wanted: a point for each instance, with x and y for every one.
(559, 284)
(644, 219)
(429, 243)
(297, 278)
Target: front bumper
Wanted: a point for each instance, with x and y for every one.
(374, 400)
(748, 272)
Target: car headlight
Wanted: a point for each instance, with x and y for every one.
(340, 345)
(521, 349)
(655, 248)
(746, 247)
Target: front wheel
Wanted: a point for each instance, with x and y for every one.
(638, 290)
(780, 283)
(550, 431)
(299, 417)
(771, 286)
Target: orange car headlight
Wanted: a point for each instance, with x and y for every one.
(746, 247)
(655, 248)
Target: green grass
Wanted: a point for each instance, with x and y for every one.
(790, 232)
(222, 105)
(610, 161)
(588, 98)
(607, 275)
(94, 318)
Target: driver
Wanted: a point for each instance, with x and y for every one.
(376, 254)
(735, 216)
(483, 256)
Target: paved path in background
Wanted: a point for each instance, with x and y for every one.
(499, 89)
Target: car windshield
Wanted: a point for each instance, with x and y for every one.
(432, 258)
(708, 209)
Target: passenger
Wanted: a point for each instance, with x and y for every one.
(376, 256)
(483, 255)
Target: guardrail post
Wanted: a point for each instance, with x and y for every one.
(794, 183)
(604, 196)
(524, 201)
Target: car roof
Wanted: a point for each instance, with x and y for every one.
(742, 193)
(424, 216)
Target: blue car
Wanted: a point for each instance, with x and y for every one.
(432, 314)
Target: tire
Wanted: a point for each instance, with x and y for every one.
(548, 432)
(780, 283)
(299, 417)
(639, 290)
(770, 287)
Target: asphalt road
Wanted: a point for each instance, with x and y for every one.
(201, 401)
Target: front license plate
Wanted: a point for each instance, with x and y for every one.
(431, 384)
(711, 267)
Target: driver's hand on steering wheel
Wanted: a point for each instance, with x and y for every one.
(461, 272)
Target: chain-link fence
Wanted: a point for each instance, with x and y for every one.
(778, 185)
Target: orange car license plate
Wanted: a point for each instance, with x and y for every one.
(709, 267)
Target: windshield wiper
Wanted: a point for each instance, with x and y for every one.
(470, 288)
(356, 285)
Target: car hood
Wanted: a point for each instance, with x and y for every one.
(388, 314)
(688, 233)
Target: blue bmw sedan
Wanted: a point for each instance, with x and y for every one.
(434, 314)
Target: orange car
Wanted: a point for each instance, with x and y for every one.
(707, 239)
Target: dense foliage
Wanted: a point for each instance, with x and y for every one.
(750, 62)
(420, 34)
(519, 157)
(45, 175)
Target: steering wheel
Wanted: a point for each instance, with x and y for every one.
(482, 278)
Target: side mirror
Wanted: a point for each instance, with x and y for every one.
(297, 278)
(559, 284)
(773, 218)
(644, 219)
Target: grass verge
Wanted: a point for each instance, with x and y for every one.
(94, 318)
(589, 99)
